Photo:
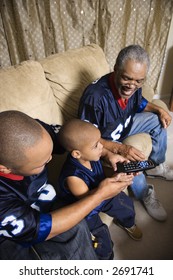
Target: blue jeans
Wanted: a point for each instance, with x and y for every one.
(119, 207)
(147, 122)
(74, 244)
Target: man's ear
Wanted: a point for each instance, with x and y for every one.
(76, 154)
(4, 169)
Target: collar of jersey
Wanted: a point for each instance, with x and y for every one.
(12, 176)
(122, 102)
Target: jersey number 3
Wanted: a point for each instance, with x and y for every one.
(16, 226)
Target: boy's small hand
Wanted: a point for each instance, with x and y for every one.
(123, 177)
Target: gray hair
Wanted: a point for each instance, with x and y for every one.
(132, 52)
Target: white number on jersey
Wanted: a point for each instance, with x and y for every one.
(17, 226)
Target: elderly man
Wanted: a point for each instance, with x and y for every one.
(114, 103)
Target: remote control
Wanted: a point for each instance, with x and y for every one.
(134, 166)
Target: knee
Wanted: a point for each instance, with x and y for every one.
(139, 186)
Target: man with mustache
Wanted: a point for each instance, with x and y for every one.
(114, 103)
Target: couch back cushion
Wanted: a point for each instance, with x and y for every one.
(70, 72)
(24, 88)
(148, 92)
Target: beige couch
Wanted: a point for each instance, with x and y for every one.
(50, 90)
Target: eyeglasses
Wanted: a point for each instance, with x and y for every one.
(129, 81)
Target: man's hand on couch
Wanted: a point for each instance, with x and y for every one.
(127, 151)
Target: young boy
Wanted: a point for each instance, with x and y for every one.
(31, 225)
(82, 172)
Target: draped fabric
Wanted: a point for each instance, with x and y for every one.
(34, 29)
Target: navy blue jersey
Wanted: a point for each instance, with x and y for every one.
(26, 202)
(72, 167)
(99, 106)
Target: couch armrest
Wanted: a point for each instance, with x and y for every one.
(160, 103)
(141, 141)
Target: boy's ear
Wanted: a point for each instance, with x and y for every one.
(76, 154)
(4, 169)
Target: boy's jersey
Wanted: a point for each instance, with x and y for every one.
(25, 203)
(92, 178)
(99, 106)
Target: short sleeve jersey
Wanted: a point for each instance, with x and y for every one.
(99, 106)
(25, 203)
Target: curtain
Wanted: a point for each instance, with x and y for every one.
(34, 29)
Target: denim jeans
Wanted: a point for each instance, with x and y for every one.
(149, 123)
(121, 208)
(74, 244)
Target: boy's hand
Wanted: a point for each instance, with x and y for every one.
(109, 188)
(112, 159)
(123, 177)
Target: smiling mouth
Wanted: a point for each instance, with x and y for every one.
(127, 91)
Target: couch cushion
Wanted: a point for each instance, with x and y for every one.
(70, 72)
(141, 141)
(25, 88)
(147, 92)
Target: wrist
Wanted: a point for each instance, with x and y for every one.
(118, 147)
(97, 195)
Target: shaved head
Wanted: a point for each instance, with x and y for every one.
(18, 132)
(74, 134)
